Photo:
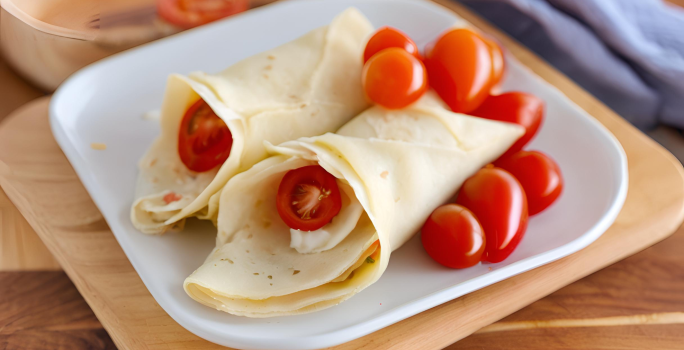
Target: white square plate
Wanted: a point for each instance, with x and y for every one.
(105, 103)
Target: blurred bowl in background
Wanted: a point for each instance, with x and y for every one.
(47, 41)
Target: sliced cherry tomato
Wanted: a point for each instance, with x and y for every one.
(459, 66)
(498, 201)
(538, 174)
(514, 107)
(394, 79)
(204, 140)
(453, 237)
(498, 61)
(188, 14)
(308, 198)
(387, 37)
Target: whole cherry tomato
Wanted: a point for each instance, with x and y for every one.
(394, 79)
(514, 107)
(459, 66)
(188, 14)
(498, 201)
(308, 198)
(204, 140)
(453, 237)
(387, 37)
(498, 61)
(539, 176)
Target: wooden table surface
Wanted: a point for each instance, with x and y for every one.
(610, 309)
(43, 310)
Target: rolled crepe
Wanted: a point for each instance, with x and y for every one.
(306, 87)
(400, 166)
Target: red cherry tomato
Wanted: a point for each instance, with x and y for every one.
(453, 237)
(459, 66)
(394, 79)
(498, 201)
(188, 14)
(514, 107)
(539, 176)
(387, 37)
(204, 140)
(498, 61)
(308, 198)
(172, 197)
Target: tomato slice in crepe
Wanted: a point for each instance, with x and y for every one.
(204, 140)
(308, 198)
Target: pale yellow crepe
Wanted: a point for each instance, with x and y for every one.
(401, 165)
(306, 87)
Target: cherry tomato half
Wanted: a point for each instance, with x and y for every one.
(188, 14)
(204, 140)
(538, 174)
(387, 37)
(308, 198)
(514, 107)
(394, 79)
(453, 237)
(459, 66)
(498, 61)
(498, 201)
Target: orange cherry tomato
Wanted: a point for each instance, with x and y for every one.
(498, 61)
(459, 66)
(453, 237)
(387, 37)
(539, 176)
(394, 79)
(188, 14)
(308, 198)
(498, 201)
(514, 107)
(204, 140)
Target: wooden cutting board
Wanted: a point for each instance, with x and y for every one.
(39, 180)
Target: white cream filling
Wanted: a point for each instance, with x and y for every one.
(328, 236)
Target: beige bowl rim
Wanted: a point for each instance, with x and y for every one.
(14, 10)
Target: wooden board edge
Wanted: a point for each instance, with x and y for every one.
(21, 249)
(79, 282)
(22, 204)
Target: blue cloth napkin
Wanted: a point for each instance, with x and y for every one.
(628, 53)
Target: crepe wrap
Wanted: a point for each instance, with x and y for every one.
(307, 87)
(401, 165)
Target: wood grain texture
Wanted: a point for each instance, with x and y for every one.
(649, 282)
(20, 247)
(36, 174)
(628, 337)
(641, 284)
(14, 91)
(43, 310)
